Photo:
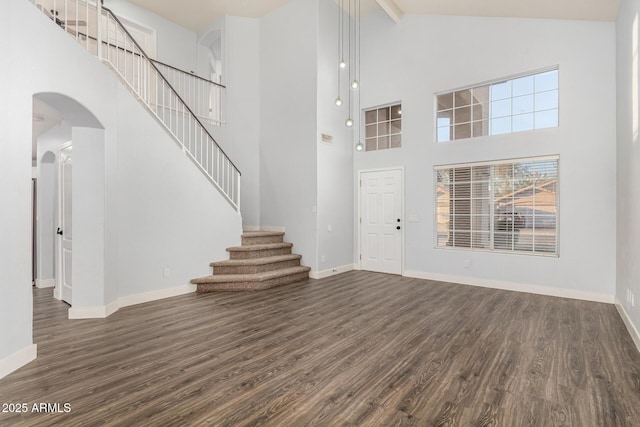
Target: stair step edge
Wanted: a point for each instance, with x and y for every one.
(254, 277)
(265, 246)
(255, 261)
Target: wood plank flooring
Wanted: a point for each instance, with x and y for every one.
(356, 349)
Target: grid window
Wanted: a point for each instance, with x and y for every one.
(516, 105)
(498, 206)
(383, 128)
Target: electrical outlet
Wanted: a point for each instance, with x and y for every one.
(322, 258)
(633, 300)
(467, 263)
(165, 272)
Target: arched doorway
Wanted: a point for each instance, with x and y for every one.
(67, 199)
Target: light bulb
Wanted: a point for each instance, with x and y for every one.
(359, 146)
(355, 84)
(349, 122)
(343, 64)
(338, 101)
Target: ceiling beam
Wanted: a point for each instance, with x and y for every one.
(392, 9)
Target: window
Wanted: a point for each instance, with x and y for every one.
(383, 128)
(498, 206)
(515, 105)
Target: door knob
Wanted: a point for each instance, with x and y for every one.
(398, 228)
(59, 231)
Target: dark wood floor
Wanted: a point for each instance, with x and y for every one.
(361, 349)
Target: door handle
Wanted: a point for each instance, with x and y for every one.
(398, 228)
(59, 231)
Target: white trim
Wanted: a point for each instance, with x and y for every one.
(513, 286)
(250, 228)
(95, 312)
(18, 359)
(128, 300)
(330, 272)
(392, 9)
(498, 162)
(100, 312)
(45, 283)
(633, 331)
(278, 228)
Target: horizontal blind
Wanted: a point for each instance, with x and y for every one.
(501, 206)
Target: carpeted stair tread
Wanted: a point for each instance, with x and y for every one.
(255, 261)
(255, 277)
(262, 233)
(265, 246)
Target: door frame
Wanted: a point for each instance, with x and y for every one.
(57, 292)
(358, 218)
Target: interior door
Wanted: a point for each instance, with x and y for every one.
(381, 221)
(65, 235)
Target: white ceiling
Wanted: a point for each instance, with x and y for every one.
(197, 14)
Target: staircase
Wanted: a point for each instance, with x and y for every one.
(263, 261)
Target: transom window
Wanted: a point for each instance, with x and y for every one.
(514, 105)
(498, 206)
(383, 127)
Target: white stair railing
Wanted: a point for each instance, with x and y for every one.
(202, 95)
(102, 34)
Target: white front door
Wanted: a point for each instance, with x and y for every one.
(381, 221)
(63, 274)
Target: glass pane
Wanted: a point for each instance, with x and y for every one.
(396, 111)
(523, 86)
(371, 144)
(500, 126)
(481, 128)
(371, 131)
(462, 115)
(546, 81)
(462, 98)
(547, 100)
(445, 101)
(523, 104)
(501, 108)
(500, 90)
(396, 126)
(546, 119)
(462, 239)
(383, 114)
(480, 112)
(383, 142)
(371, 116)
(463, 131)
(444, 118)
(480, 240)
(480, 94)
(383, 128)
(444, 133)
(523, 122)
(396, 141)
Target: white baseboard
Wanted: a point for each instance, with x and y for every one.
(250, 228)
(45, 283)
(128, 300)
(100, 312)
(633, 331)
(18, 359)
(513, 286)
(330, 272)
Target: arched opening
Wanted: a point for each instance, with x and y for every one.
(66, 200)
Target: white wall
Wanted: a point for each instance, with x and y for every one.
(177, 46)
(628, 151)
(288, 136)
(159, 210)
(335, 161)
(422, 55)
(169, 214)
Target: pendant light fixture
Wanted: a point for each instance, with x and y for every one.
(352, 62)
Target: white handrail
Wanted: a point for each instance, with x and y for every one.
(102, 34)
